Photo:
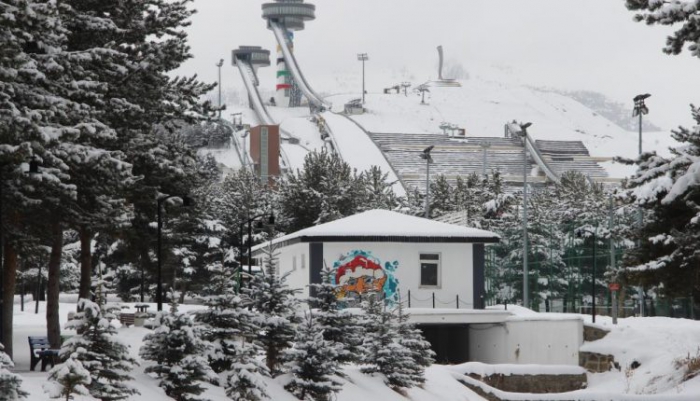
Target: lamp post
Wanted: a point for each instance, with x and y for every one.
(526, 273)
(428, 159)
(33, 169)
(219, 64)
(249, 242)
(186, 202)
(640, 109)
(595, 263)
(485, 146)
(363, 57)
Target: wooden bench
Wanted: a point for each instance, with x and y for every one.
(126, 319)
(40, 350)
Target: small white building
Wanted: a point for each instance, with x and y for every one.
(439, 267)
(426, 263)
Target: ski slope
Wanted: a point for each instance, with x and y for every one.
(358, 149)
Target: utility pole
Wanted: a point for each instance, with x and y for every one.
(363, 57)
(485, 146)
(611, 224)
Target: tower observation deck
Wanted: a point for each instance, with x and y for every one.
(283, 18)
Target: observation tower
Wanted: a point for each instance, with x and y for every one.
(290, 15)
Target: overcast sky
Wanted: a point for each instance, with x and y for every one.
(566, 44)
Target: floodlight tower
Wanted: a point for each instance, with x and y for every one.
(291, 14)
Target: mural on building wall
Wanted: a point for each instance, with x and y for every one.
(359, 272)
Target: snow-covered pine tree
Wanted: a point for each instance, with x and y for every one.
(378, 191)
(179, 355)
(441, 196)
(68, 379)
(340, 327)
(10, 383)
(672, 13)
(277, 305)
(325, 189)
(383, 352)
(312, 361)
(412, 338)
(98, 348)
(231, 329)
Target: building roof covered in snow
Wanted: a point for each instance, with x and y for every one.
(385, 226)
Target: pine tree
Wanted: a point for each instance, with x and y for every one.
(232, 329)
(312, 361)
(412, 338)
(98, 348)
(10, 383)
(340, 327)
(441, 197)
(672, 13)
(68, 379)
(276, 304)
(179, 355)
(377, 190)
(383, 352)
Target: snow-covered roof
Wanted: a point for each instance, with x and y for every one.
(385, 226)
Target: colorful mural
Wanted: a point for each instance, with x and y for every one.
(359, 272)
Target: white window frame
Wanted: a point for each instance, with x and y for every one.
(421, 260)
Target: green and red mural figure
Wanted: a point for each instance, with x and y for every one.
(360, 273)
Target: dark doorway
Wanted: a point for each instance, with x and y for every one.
(449, 341)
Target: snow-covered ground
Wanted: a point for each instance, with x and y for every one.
(657, 344)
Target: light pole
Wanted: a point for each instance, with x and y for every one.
(363, 57)
(595, 265)
(428, 159)
(33, 169)
(526, 273)
(485, 146)
(186, 202)
(249, 242)
(219, 64)
(640, 109)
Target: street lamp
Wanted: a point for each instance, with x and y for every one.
(219, 64)
(526, 273)
(640, 109)
(186, 202)
(428, 159)
(579, 233)
(33, 169)
(485, 146)
(249, 222)
(363, 57)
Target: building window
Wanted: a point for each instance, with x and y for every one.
(430, 270)
(294, 263)
(303, 261)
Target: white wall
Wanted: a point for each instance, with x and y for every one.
(299, 277)
(527, 342)
(456, 269)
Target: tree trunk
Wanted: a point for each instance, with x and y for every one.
(53, 325)
(8, 295)
(85, 263)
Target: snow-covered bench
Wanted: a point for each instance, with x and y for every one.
(40, 350)
(126, 319)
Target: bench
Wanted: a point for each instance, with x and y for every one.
(40, 350)
(126, 319)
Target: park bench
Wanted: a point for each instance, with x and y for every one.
(40, 350)
(126, 319)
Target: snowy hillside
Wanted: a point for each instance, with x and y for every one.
(481, 106)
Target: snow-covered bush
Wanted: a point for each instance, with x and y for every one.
(68, 379)
(10, 383)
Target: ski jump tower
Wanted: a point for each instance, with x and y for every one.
(289, 15)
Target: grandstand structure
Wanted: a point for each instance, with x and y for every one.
(461, 156)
